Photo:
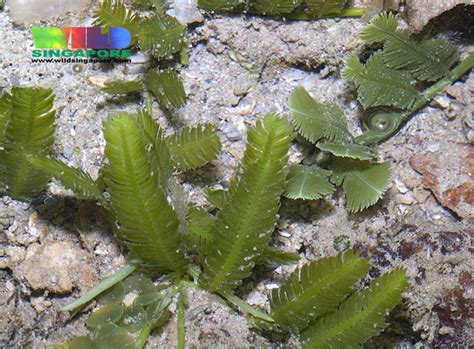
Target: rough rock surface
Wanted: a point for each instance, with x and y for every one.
(420, 12)
(452, 184)
(58, 267)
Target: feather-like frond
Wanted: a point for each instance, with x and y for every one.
(308, 183)
(113, 13)
(353, 151)
(316, 289)
(193, 147)
(360, 317)
(314, 120)
(29, 131)
(200, 224)
(147, 223)
(72, 178)
(162, 35)
(427, 59)
(167, 88)
(379, 85)
(159, 153)
(244, 225)
(120, 87)
(364, 182)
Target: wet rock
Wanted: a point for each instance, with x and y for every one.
(185, 11)
(420, 12)
(56, 266)
(450, 176)
(29, 11)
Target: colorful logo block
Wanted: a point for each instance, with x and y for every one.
(81, 37)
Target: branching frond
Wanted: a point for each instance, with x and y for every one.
(364, 182)
(162, 35)
(245, 223)
(113, 13)
(200, 224)
(427, 59)
(72, 178)
(360, 317)
(316, 289)
(29, 131)
(379, 85)
(353, 151)
(159, 153)
(308, 183)
(167, 88)
(120, 87)
(314, 120)
(193, 147)
(147, 223)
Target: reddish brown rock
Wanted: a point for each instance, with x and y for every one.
(450, 176)
(455, 308)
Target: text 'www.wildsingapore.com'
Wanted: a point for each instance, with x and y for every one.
(83, 61)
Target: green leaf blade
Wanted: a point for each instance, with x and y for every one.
(244, 225)
(314, 120)
(166, 87)
(113, 13)
(364, 183)
(277, 256)
(316, 289)
(193, 147)
(360, 317)
(321, 8)
(427, 60)
(200, 224)
(308, 183)
(353, 151)
(159, 152)
(162, 35)
(120, 87)
(72, 178)
(379, 85)
(29, 131)
(274, 7)
(148, 224)
(221, 5)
